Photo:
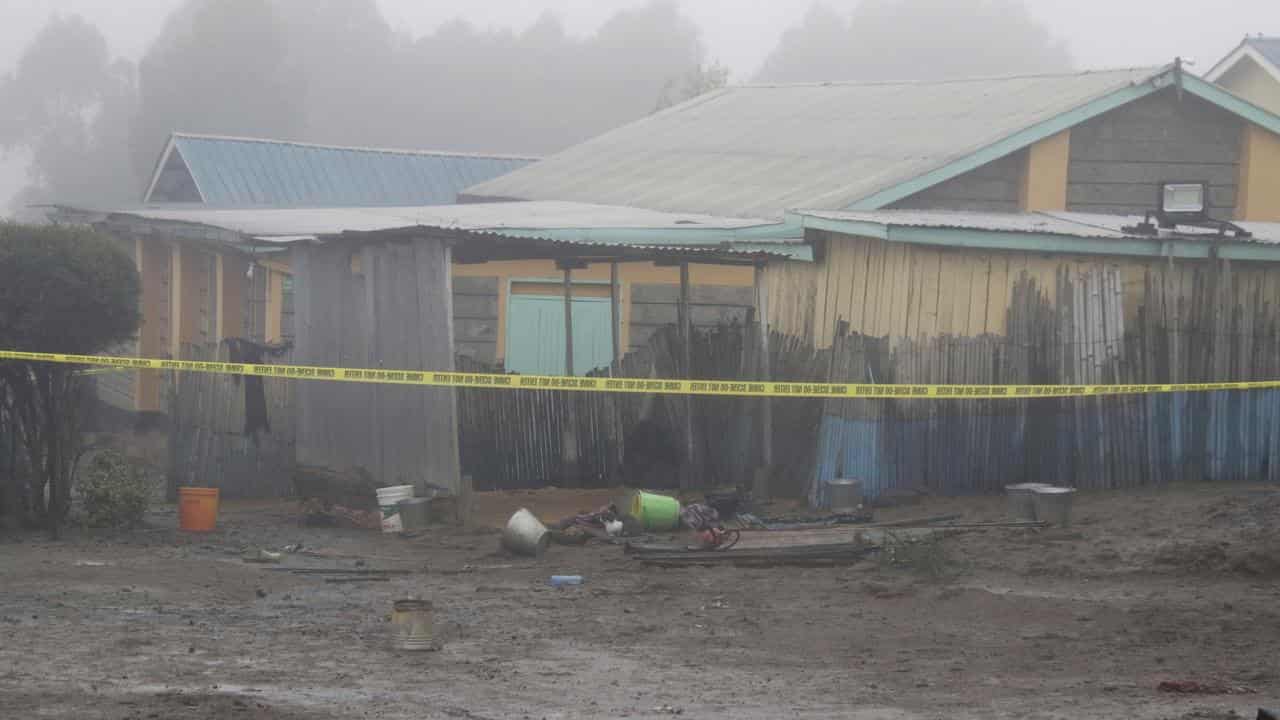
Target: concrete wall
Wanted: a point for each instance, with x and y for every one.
(475, 317)
(994, 187)
(653, 306)
(1118, 159)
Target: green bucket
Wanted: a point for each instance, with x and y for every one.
(655, 512)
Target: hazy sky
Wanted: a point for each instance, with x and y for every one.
(739, 33)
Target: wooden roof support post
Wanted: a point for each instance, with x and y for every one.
(615, 332)
(569, 436)
(615, 324)
(760, 482)
(568, 320)
(686, 342)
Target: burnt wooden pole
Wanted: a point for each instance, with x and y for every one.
(760, 483)
(686, 342)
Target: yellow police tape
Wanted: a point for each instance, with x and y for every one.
(664, 386)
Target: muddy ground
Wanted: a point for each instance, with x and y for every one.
(1169, 584)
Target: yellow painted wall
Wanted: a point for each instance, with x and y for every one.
(918, 291)
(275, 305)
(1044, 174)
(1258, 194)
(1251, 82)
(231, 295)
(193, 293)
(154, 267)
(636, 273)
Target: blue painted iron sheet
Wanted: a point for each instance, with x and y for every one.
(1088, 443)
(232, 172)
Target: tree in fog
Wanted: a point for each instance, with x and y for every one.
(542, 90)
(219, 67)
(915, 40)
(68, 103)
(694, 82)
(333, 71)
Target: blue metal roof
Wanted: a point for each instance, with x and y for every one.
(249, 172)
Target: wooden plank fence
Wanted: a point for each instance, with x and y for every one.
(207, 444)
(1226, 330)
(1196, 324)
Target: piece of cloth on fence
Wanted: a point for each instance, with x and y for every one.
(243, 350)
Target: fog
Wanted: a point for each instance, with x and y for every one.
(90, 89)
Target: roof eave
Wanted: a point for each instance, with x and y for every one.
(1132, 246)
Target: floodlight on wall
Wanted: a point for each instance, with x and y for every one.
(1183, 202)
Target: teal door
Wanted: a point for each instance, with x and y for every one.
(535, 334)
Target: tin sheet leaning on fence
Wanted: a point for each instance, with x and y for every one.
(631, 385)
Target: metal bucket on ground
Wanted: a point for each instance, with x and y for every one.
(1053, 504)
(415, 513)
(525, 534)
(844, 495)
(1021, 497)
(389, 503)
(411, 625)
(655, 512)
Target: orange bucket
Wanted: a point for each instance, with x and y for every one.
(197, 508)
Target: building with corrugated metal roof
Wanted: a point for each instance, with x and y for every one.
(1252, 71)
(1094, 141)
(992, 231)
(214, 174)
(1006, 286)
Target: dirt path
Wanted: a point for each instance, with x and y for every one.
(1148, 586)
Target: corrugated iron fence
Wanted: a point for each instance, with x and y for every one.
(1222, 330)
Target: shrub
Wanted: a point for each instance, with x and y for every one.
(115, 491)
(63, 289)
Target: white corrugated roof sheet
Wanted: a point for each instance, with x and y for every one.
(291, 224)
(562, 222)
(756, 150)
(1071, 224)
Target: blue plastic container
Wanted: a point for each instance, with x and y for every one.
(564, 580)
